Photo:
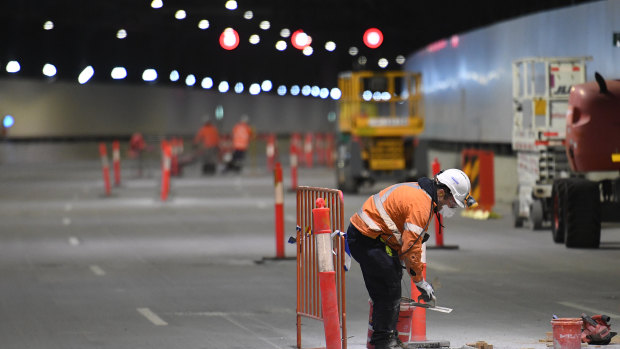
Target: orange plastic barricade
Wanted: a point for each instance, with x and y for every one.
(116, 162)
(478, 165)
(105, 167)
(308, 294)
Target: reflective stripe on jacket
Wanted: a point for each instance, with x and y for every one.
(399, 214)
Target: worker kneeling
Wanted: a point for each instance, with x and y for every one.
(389, 230)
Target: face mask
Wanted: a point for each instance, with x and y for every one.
(447, 211)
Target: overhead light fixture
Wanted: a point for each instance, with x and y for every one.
(335, 93)
(86, 74)
(121, 34)
(285, 33)
(190, 80)
(308, 50)
(383, 63)
(400, 59)
(254, 89)
(330, 46)
(306, 90)
(118, 73)
(180, 14)
(174, 76)
(229, 39)
(13, 67)
(203, 24)
(264, 25)
(281, 45)
(300, 40)
(248, 15)
(49, 70)
(324, 93)
(353, 51)
(254, 39)
(294, 90)
(231, 5)
(207, 83)
(266, 85)
(373, 38)
(48, 25)
(281, 90)
(157, 4)
(149, 75)
(223, 87)
(239, 87)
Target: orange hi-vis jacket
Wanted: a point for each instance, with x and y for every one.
(241, 134)
(208, 136)
(400, 215)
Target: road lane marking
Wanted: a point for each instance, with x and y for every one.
(97, 270)
(73, 241)
(588, 309)
(152, 317)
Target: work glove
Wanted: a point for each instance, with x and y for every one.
(426, 291)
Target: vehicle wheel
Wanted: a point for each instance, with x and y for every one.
(558, 195)
(517, 220)
(582, 214)
(536, 215)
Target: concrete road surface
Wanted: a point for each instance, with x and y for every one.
(82, 270)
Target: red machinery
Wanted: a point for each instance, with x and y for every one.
(591, 195)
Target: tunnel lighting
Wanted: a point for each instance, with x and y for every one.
(157, 4)
(118, 73)
(377, 96)
(308, 50)
(386, 96)
(306, 90)
(373, 38)
(248, 15)
(315, 91)
(330, 46)
(266, 85)
(239, 87)
(229, 39)
(190, 80)
(207, 83)
(264, 25)
(254, 89)
(362, 60)
(281, 45)
(367, 95)
(121, 34)
(254, 39)
(13, 67)
(294, 90)
(400, 59)
(174, 76)
(300, 40)
(335, 93)
(353, 51)
(8, 121)
(231, 5)
(48, 25)
(281, 90)
(180, 14)
(149, 74)
(203, 24)
(223, 87)
(382, 63)
(285, 33)
(86, 74)
(49, 70)
(324, 93)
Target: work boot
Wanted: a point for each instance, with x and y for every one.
(386, 341)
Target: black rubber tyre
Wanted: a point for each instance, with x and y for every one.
(582, 214)
(517, 220)
(558, 196)
(536, 214)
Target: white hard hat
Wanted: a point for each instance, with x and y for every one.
(245, 118)
(458, 183)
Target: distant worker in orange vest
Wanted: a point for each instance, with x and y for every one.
(386, 235)
(207, 141)
(241, 135)
(137, 146)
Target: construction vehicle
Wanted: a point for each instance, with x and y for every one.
(380, 115)
(541, 87)
(592, 195)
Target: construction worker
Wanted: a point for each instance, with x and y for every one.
(386, 235)
(241, 135)
(207, 140)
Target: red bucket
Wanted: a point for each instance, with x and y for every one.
(566, 333)
(403, 326)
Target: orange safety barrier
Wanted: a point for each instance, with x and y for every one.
(279, 210)
(105, 167)
(308, 151)
(478, 165)
(270, 150)
(308, 294)
(166, 153)
(116, 162)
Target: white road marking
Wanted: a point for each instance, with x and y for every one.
(97, 270)
(152, 317)
(256, 334)
(73, 241)
(588, 309)
(441, 267)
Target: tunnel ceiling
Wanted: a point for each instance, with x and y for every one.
(85, 33)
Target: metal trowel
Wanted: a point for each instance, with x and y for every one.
(430, 306)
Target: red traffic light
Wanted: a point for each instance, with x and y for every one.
(373, 38)
(229, 39)
(300, 40)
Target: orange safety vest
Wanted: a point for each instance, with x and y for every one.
(241, 136)
(208, 136)
(399, 215)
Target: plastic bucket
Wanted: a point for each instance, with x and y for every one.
(566, 333)
(403, 326)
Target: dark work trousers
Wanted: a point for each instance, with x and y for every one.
(382, 276)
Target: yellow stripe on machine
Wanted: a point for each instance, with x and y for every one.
(615, 157)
